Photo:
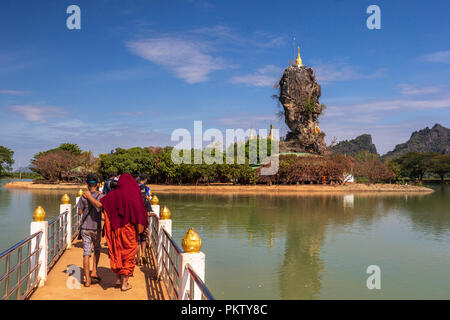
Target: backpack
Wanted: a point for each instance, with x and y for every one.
(143, 188)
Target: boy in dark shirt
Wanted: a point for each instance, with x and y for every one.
(145, 191)
(107, 187)
(90, 229)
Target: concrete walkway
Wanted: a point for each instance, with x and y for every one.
(144, 285)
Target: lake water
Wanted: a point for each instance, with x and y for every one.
(296, 247)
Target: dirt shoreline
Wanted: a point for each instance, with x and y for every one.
(237, 189)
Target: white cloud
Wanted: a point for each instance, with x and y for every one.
(439, 57)
(402, 104)
(14, 92)
(38, 113)
(334, 72)
(187, 59)
(266, 76)
(29, 138)
(407, 89)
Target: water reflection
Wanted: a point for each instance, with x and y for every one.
(295, 228)
(430, 215)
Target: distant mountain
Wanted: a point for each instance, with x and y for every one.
(355, 146)
(435, 139)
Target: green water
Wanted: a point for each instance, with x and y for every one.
(297, 247)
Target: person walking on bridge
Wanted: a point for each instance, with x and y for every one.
(90, 228)
(125, 218)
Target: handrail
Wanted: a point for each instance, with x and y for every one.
(177, 248)
(206, 294)
(19, 244)
(76, 220)
(169, 261)
(57, 238)
(31, 273)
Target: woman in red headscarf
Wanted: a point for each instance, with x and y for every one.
(125, 218)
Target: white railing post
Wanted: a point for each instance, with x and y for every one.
(155, 209)
(192, 255)
(167, 225)
(66, 206)
(197, 262)
(80, 193)
(40, 225)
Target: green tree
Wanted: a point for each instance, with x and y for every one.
(72, 147)
(440, 165)
(414, 164)
(60, 163)
(6, 160)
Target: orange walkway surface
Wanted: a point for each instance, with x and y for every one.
(144, 283)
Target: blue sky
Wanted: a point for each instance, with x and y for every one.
(138, 70)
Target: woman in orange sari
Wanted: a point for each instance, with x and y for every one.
(125, 217)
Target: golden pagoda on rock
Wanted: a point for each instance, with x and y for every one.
(271, 132)
(316, 128)
(299, 60)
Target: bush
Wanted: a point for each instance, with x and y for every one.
(373, 170)
(65, 163)
(296, 169)
(53, 166)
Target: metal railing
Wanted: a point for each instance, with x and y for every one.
(153, 233)
(169, 262)
(76, 220)
(57, 234)
(20, 280)
(192, 281)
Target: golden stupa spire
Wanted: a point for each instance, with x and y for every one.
(299, 60)
(251, 133)
(316, 128)
(271, 132)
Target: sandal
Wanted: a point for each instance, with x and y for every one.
(96, 278)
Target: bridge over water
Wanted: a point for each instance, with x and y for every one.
(45, 265)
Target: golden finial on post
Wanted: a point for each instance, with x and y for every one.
(165, 213)
(155, 200)
(39, 214)
(65, 199)
(80, 193)
(299, 60)
(191, 241)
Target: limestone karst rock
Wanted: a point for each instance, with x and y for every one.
(299, 96)
(436, 139)
(353, 147)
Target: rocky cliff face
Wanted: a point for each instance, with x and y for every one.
(299, 96)
(355, 146)
(435, 139)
